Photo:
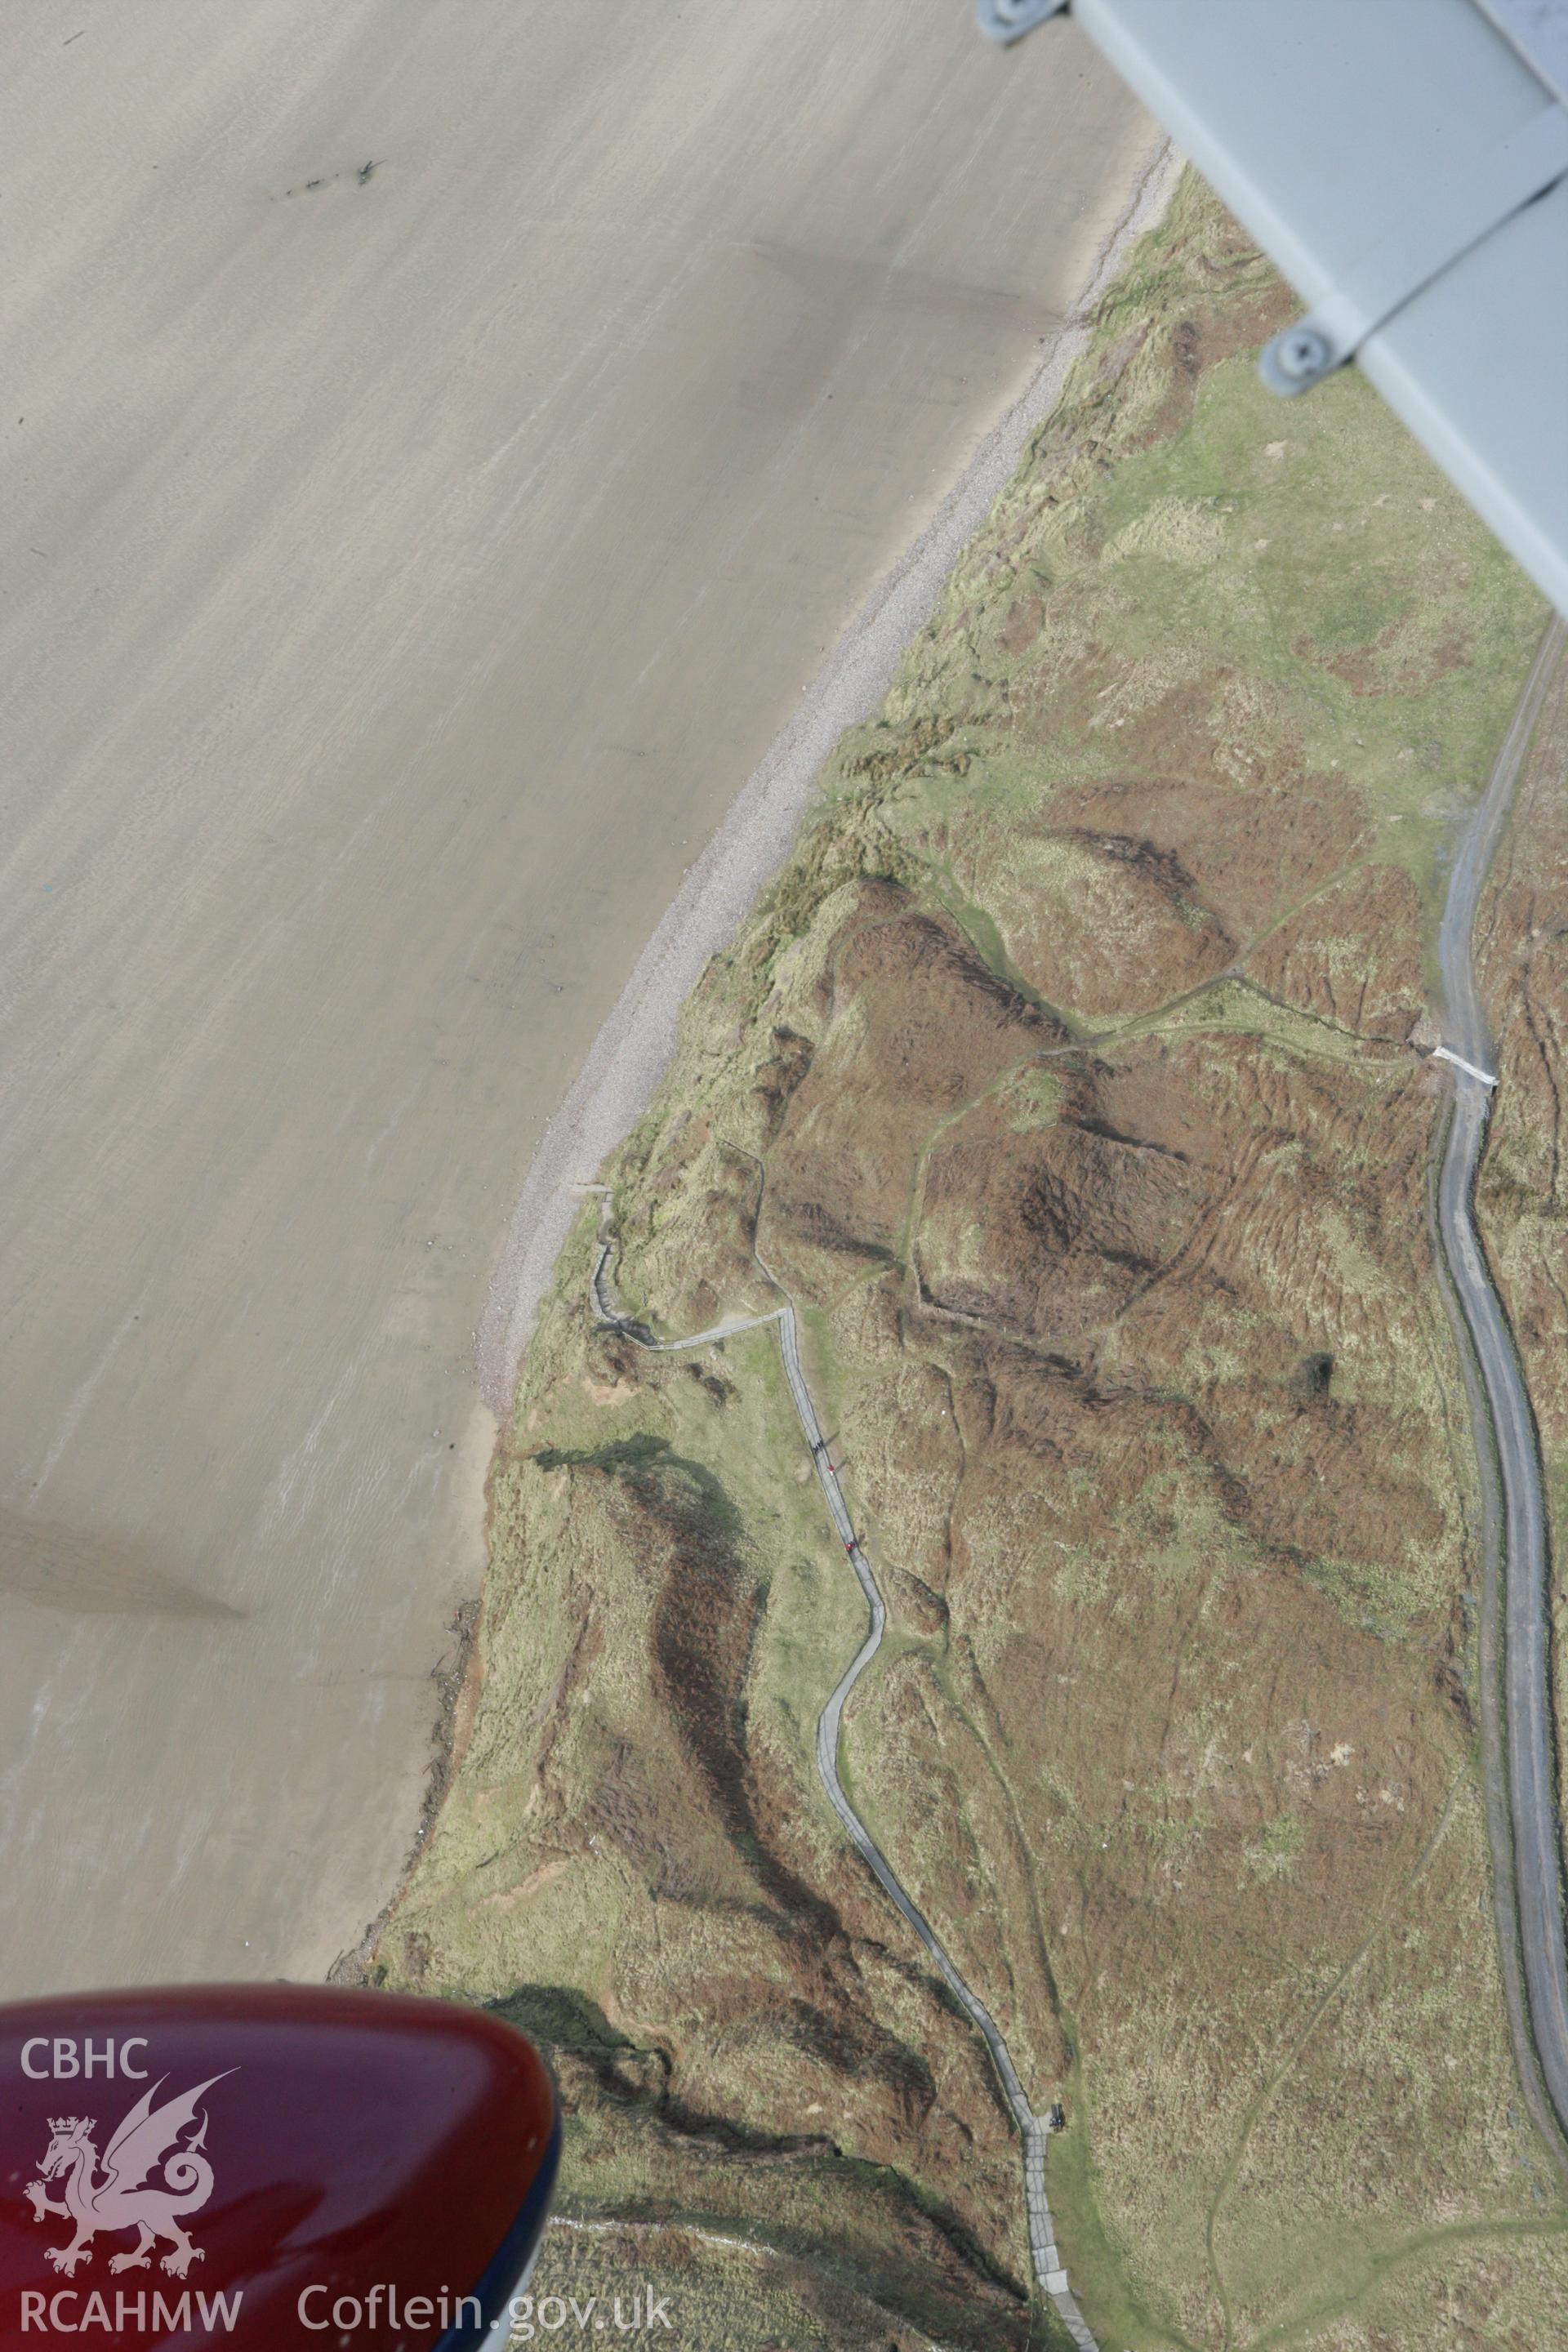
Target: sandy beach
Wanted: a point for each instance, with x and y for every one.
(447, 452)
(632, 1050)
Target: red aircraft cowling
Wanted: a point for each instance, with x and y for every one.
(261, 2166)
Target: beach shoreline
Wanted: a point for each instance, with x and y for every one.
(632, 1050)
(407, 570)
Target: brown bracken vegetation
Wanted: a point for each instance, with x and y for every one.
(1069, 1079)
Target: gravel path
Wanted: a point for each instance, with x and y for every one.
(1033, 2129)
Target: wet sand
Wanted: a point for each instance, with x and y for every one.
(406, 570)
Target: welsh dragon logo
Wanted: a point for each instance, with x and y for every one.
(125, 2197)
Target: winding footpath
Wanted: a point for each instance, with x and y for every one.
(1518, 1754)
(1033, 2129)
(1517, 1751)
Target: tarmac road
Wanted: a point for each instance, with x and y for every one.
(1526, 1832)
(443, 442)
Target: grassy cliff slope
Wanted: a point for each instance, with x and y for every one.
(1066, 1079)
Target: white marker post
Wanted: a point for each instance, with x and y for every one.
(1442, 1054)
